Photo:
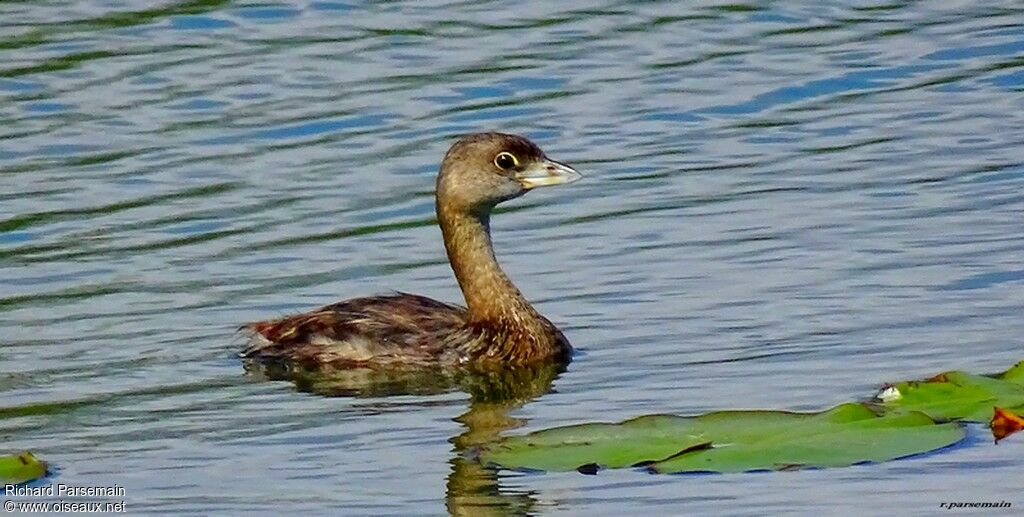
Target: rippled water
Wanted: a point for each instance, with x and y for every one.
(786, 205)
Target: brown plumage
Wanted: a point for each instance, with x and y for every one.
(498, 326)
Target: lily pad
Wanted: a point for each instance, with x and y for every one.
(958, 395)
(20, 468)
(728, 441)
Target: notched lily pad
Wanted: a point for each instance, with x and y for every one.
(904, 419)
(728, 441)
(20, 468)
(957, 395)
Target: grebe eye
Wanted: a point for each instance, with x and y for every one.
(505, 161)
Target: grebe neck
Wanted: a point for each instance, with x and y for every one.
(490, 295)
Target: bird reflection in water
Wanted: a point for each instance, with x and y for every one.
(472, 488)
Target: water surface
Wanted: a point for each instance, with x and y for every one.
(785, 205)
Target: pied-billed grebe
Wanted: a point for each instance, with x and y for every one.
(498, 326)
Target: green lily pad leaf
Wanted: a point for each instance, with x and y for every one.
(1015, 374)
(20, 468)
(958, 395)
(728, 441)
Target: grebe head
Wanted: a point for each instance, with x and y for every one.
(484, 169)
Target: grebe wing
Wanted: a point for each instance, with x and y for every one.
(400, 326)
